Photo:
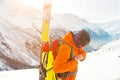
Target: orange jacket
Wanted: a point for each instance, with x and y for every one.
(61, 63)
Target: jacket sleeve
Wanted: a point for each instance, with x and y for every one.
(61, 63)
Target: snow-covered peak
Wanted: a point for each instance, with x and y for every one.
(112, 27)
(70, 21)
(74, 23)
(18, 48)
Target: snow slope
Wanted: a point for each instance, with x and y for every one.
(28, 74)
(102, 64)
(113, 28)
(19, 40)
(3, 66)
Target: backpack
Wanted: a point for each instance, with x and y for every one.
(47, 56)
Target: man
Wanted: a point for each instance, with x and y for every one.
(65, 66)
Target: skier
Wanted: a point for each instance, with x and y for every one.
(69, 53)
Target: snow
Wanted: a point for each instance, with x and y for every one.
(14, 46)
(103, 64)
(3, 66)
(27, 74)
(112, 27)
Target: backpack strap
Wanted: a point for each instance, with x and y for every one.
(71, 52)
(55, 46)
(72, 73)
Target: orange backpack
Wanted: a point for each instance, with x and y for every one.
(46, 47)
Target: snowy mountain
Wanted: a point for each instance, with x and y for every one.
(3, 66)
(26, 16)
(103, 64)
(18, 48)
(70, 21)
(74, 23)
(112, 27)
(98, 37)
(20, 31)
(19, 40)
(57, 31)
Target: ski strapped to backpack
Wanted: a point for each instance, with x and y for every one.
(49, 53)
(44, 60)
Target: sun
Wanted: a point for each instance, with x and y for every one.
(34, 3)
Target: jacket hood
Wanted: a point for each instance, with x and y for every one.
(69, 39)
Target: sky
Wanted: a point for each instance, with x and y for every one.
(95, 11)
